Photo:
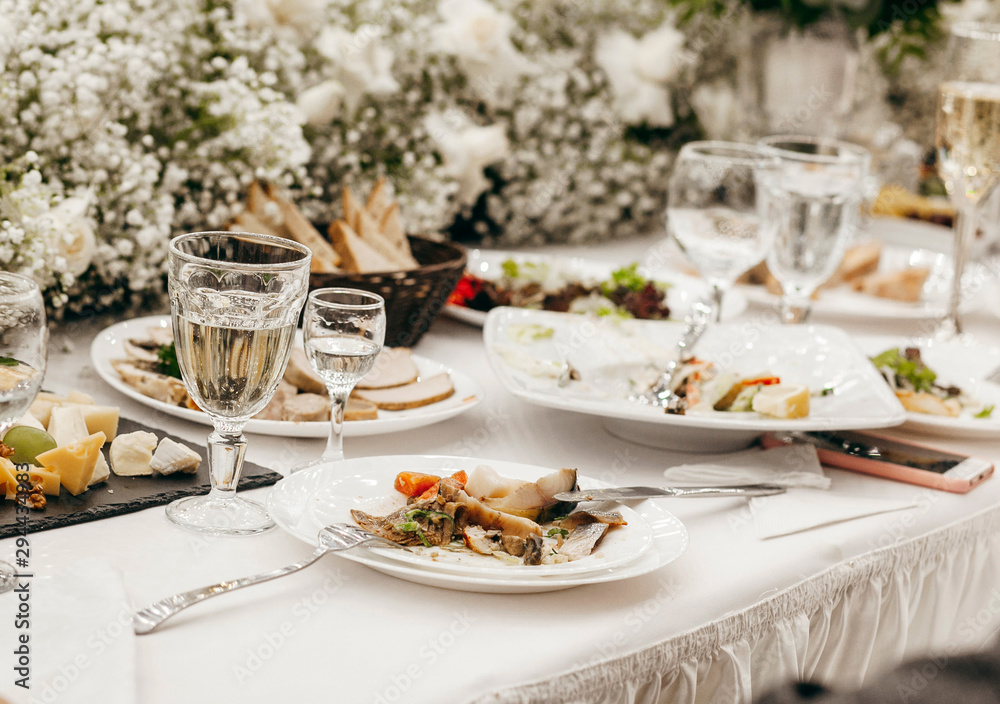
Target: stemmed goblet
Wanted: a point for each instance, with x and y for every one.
(24, 338)
(235, 299)
(343, 331)
(968, 142)
(813, 196)
(714, 214)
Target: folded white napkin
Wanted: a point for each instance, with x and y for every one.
(802, 509)
(80, 640)
(788, 465)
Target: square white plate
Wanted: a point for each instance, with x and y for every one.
(603, 351)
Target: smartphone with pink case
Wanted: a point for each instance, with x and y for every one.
(891, 458)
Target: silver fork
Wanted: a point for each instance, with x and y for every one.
(332, 538)
(661, 394)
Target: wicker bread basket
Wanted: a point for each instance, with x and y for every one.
(413, 298)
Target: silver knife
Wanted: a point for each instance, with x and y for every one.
(627, 493)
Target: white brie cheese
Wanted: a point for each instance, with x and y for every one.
(131, 454)
(173, 457)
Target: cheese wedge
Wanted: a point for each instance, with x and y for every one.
(171, 457)
(782, 401)
(79, 397)
(74, 463)
(8, 479)
(67, 425)
(103, 418)
(131, 454)
(101, 471)
(28, 420)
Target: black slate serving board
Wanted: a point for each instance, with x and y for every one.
(120, 495)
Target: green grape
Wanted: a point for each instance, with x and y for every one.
(27, 443)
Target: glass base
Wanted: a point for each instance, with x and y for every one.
(220, 516)
(7, 576)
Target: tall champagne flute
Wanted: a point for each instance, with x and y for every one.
(343, 331)
(24, 338)
(714, 214)
(814, 197)
(968, 141)
(235, 299)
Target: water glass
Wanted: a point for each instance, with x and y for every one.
(813, 196)
(714, 213)
(235, 300)
(343, 331)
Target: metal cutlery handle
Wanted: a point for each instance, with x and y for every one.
(145, 620)
(740, 490)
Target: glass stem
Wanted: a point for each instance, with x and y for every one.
(718, 293)
(796, 306)
(226, 448)
(335, 441)
(965, 230)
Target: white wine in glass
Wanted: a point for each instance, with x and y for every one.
(24, 338)
(343, 331)
(968, 142)
(235, 300)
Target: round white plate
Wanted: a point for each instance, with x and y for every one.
(965, 366)
(683, 292)
(468, 393)
(817, 356)
(373, 493)
(293, 502)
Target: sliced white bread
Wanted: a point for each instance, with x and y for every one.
(356, 255)
(412, 395)
(370, 231)
(392, 228)
(352, 208)
(906, 285)
(248, 222)
(393, 367)
(378, 200)
(297, 227)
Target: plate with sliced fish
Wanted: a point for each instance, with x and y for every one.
(633, 539)
(403, 391)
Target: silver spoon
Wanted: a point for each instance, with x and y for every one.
(332, 538)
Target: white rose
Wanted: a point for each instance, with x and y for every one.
(363, 63)
(639, 72)
(298, 17)
(467, 149)
(717, 109)
(321, 103)
(479, 36)
(73, 234)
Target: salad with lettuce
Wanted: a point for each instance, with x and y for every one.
(917, 387)
(545, 285)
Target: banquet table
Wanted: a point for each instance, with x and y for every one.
(731, 617)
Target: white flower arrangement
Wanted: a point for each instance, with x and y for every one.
(513, 121)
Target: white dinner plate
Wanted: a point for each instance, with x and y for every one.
(605, 353)
(906, 243)
(302, 502)
(468, 393)
(683, 292)
(964, 366)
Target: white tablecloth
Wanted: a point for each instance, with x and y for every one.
(732, 616)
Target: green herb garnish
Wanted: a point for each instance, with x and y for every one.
(553, 532)
(985, 413)
(8, 362)
(413, 527)
(167, 361)
(510, 268)
(913, 370)
(625, 277)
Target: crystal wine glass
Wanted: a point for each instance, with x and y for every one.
(235, 299)
(968, 141)
(813, 197)
(714, 214)
(343, 331)
(24, 338)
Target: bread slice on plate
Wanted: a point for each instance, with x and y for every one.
(906, 285)
(378, 200)
(393, 367)
(413, 395)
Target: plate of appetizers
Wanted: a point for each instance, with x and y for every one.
(403, 391)
(304, 502)
(741, 380)
(539, 281)
(942, 385)
(896, 269)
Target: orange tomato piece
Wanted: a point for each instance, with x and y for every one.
(414, 483)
